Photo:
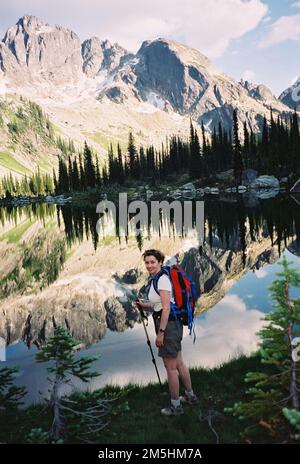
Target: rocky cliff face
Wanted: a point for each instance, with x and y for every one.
(177, 78)
(34, 52)
(164, 76)
(259, 92)
(101, 56)
(291, 96)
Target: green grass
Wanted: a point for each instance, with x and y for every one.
(16, 234)
(8, 161)
(135, 415)
(45, 164)
(105, 140)
(51, 224)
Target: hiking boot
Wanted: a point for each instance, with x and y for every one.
(172, 411)
(189, 399)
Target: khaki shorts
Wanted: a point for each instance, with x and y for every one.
(172, 339)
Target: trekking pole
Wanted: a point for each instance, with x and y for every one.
(149, 344)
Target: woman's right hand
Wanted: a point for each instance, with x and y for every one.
(142, 304)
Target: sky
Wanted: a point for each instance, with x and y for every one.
(258, 40)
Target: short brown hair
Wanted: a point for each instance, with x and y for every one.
(156, 253)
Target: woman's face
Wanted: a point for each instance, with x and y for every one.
(152, 265)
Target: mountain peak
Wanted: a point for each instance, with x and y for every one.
(291, 96)
(257, 91)
(185, 54)
(28, 24)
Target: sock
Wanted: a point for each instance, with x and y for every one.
(175, 403)
(189, 393)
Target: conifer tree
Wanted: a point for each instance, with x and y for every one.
(81, 174)
(75, 175)
(276, 386)
(205, 150)
(89, 168)
(293, 416)
(60, 349)
(237, 151)
(246, 146)
(11, 397)
(132, 157)
(98, 175)
(195, 156)
(121, 174)
(263, 158)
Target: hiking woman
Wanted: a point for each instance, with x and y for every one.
(168, 334)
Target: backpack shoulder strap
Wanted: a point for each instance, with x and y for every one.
(164, 271)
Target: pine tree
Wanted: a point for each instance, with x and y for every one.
(195, 156)
(277, 386)
(263, 156)
(10, 395)
(98, 175)
(89, 168)
(252, 150)
(237, 151)
(63, 177)
(246, 146)
(293, 416)
(55, 181)
(205, 150)
(295, 143)
(75, 176)
(121, 174)
(70, 173)
(60, 349)
(81, 174)
(10, 399)
(132, 156)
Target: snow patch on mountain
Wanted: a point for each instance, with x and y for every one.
(152, 104)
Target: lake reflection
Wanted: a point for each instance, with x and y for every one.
(233, 268)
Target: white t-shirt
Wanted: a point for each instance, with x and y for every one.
(163, 283)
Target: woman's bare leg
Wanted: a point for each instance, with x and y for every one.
(183, 372)
(173, 380)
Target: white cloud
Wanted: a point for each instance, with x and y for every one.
(228, 330)
(266, 19)
(261, 273)
(249, 75)
(285, 28)
(208, 26)
(295, 5)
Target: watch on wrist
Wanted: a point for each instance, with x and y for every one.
(162, 330)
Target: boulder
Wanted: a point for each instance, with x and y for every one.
(268, 182)
(249, 176)
(176, 195)
(115, 314)
(131, 276)
(266, 194)
(199, 192)
(188, 186)
(149, 194)
(189, 194)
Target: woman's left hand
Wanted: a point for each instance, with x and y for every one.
(159, 339)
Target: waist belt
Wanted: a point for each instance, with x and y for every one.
(157, 315)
